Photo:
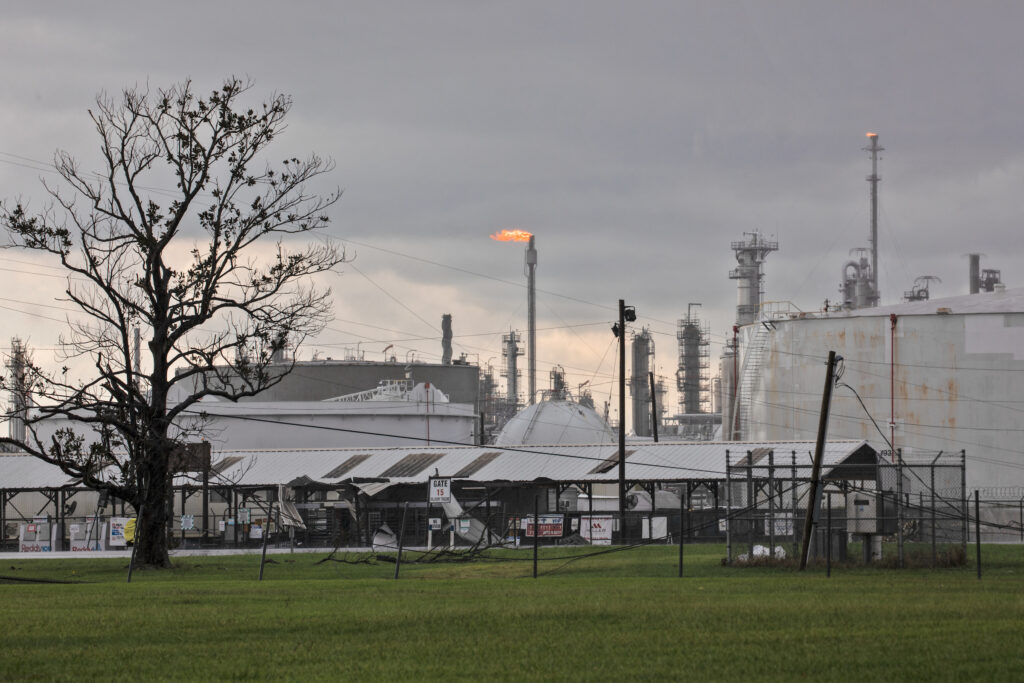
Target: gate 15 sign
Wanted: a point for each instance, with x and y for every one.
(440, 490)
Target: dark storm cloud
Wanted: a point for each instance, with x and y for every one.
(636, 140)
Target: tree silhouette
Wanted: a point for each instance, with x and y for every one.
(214, 273)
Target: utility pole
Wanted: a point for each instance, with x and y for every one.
(819, 449)
(622, 417)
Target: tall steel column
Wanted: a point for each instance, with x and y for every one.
(531, 267)
(873, 179)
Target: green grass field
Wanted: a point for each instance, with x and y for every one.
(621, 616)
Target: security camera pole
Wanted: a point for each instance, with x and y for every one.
(626, 313)
(622, 418)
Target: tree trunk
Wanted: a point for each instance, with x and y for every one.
(151, 529)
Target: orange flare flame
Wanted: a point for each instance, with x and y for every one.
(872, 135)
(512, 236)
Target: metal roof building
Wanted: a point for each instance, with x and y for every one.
(645, 463)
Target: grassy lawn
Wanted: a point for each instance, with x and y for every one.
(618, 616)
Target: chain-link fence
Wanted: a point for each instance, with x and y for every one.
(894, 505)
(900, 503)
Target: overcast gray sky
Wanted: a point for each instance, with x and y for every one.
(636, 140)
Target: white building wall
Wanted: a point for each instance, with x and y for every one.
(316, 424)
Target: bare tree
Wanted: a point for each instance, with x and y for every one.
(215, 274)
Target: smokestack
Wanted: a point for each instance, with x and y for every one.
(873, 179)
(531, 294)
(446, 339)
(975, 272)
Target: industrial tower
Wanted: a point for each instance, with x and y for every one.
(639, 382)
(859, 287)
(19, 387)
(692, 381)
(750, 256)
(510, 352)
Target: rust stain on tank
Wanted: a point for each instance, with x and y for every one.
(902, 389)
(951, 389)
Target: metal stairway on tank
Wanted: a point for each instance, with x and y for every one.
(750, 375)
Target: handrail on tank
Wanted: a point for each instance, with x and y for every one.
(776, 310)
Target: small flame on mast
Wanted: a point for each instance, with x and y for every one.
(512, 236)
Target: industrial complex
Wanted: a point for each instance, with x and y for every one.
(342, 442)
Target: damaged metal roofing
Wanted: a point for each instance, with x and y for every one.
(522, 464)
(645, 462)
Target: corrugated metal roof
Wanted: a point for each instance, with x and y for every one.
(26, 472)
(648, 462)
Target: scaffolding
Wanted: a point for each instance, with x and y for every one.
(692, 376)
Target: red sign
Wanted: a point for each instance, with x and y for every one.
(551, 526)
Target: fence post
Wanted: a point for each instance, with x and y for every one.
(933, 510)
(963, 500)
(181, 492)
(728, 509)
(266, 534)
(682, 525)
(828, 538)
(899, 507)
(771, 503)
(536, 531)
(751, 507)
(977, 531)
(401, 539)
(793, 496)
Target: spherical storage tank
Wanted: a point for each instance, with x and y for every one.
(555, 423)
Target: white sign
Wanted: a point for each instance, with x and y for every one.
(654, 527)
(597, 530)
(435, 523)
(440, 490)
(116, 537)
(783, 525)
(188, 522)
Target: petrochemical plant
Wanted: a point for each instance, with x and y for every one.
(917, 378)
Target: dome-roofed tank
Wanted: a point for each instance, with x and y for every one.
(555, 422)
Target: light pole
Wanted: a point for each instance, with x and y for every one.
(626, 313)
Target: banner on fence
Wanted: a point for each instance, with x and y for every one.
(551, 526)
(597, 530)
